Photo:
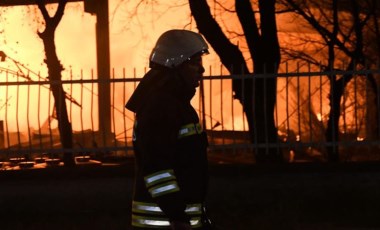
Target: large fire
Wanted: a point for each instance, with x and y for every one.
(133, 32)
(131, 39)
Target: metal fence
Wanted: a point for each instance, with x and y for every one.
(28, 125)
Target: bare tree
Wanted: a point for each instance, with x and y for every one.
(342, 37)
(256, 94)
(54, 71)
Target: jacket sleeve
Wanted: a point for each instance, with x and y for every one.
(157, 136)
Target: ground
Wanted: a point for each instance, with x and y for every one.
(291, 196)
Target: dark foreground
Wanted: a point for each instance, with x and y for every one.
(304, 197)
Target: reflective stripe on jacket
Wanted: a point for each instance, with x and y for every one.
(161, 183)
(150, 215)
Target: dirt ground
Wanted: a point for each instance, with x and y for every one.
(292, 196)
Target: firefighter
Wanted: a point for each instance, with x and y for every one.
(170, 145)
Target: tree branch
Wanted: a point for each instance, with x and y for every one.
(41, 6)
(327, 35)
(60, 11)
(229, 54)
(51, 22)
(248, 21)
(269, 32)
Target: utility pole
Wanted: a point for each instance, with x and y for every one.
(100, 9)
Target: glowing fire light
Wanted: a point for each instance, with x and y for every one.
(360, 138)
(319, 116)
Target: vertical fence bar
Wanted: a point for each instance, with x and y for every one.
(242, 96)
(253, 98)
(344, 107)
(71, 107)
(210, 107)
(309, 105)
(232, 112)
(94, 143)
(321, 103)
(202, 108)
(124, 100)
(278, 147)
(287, 122)
(60, 105)
(355, 104)
(113, 107)
(39, 113)
(276, 114)
(17, 108)
(333, 84)
(288, 78)
(134, 87)
(298, 104)
(49, 121)
(242, 107)
(265, 79)
(27, 114)
(81, 109)
(221, 108)
(6, 112)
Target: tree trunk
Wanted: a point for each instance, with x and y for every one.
(265, 93)
(54, 70)
(338, 86)
(332, 130)
(257, 95)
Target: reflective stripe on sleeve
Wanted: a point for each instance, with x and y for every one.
(195, 222)
(142, 207)
(161, 176)
(142, 221)
(163, 189)
(189, 129)
(157, 222)
(194, 209)
(152, 208)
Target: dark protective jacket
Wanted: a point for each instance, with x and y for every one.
(170, 150)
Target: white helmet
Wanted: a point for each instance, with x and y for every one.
(175, 47)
